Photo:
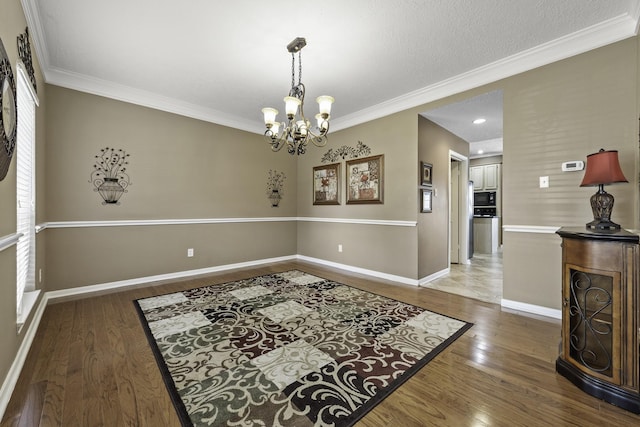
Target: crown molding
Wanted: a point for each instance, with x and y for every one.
(601, 34)
(136, 96)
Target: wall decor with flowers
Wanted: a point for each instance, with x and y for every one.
(275, 187)
(109, 175)
(365, 180)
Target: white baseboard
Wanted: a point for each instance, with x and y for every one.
(434, 276)
(64, 293)
(532, 309)
(373, 273)
(11, 379)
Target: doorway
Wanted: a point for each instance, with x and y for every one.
(460, 211)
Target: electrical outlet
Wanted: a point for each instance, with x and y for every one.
(339, 248)
(544, 182)
(190, 252)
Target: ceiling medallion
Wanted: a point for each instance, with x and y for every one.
(297, 131)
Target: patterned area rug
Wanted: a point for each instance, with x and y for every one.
(287, 349)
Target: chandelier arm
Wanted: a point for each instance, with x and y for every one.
(317, 140)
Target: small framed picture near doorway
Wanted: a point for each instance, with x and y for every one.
(425, 200)
(425, 175)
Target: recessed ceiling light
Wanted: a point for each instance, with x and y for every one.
(479, 121)
(480, 151)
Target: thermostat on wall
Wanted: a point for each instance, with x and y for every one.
(576, 165)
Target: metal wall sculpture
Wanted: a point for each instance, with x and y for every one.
(24, 52)
(275, 185)
(109, 175)
(346, 152)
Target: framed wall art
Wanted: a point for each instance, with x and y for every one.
(425, 173)
(425, 200)
(326, 184)
(365, 180)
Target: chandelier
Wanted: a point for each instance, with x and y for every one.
(297, 131)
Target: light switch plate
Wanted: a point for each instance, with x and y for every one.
(544, 182)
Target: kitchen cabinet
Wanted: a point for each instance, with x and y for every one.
(485, 235)
(600, 314)
(476, 174)
(485, 177)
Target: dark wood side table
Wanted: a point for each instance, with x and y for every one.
(600, 314)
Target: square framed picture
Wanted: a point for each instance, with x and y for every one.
(326, 184)
(365, 180)
(425, 173)
(425, 200)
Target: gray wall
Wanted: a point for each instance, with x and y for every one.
(185, 168)
(180, 168)
(384, 248)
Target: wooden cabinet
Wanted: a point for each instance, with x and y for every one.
(600, 314)
(485, 177)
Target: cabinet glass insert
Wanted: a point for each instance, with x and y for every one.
(590, 320)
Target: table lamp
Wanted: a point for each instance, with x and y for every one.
(603, 168)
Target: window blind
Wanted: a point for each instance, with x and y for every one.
(25, 190)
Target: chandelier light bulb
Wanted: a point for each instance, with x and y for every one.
(275, 128)
(269, 115)
(291, 104)
(324, 103)
(302, 127)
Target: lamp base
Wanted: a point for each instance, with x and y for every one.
(601, 205)
(599, 224)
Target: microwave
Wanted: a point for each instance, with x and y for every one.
(484, 198)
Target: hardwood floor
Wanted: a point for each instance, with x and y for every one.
(90, 365)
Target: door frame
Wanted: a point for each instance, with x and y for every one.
(465, 214)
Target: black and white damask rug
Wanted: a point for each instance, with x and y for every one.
(287, 349)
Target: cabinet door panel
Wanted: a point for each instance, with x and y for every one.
(591, 326)
(476, 174)
(491, 177)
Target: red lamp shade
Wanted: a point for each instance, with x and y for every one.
(603, 168)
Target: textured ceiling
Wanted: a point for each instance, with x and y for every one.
(223, 61)
(485, 138)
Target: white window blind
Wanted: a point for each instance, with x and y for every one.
(25, 189)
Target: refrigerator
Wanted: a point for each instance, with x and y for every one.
(470, 211)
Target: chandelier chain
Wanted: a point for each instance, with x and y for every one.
(299, 66)
(293, 69)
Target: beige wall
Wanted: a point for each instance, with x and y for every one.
(384, 248)
(12, 24)
(185, 168)
(434, 144)
(180, 168)
(489, 160)
(553, 114)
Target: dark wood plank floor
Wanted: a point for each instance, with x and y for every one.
(90, 365)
